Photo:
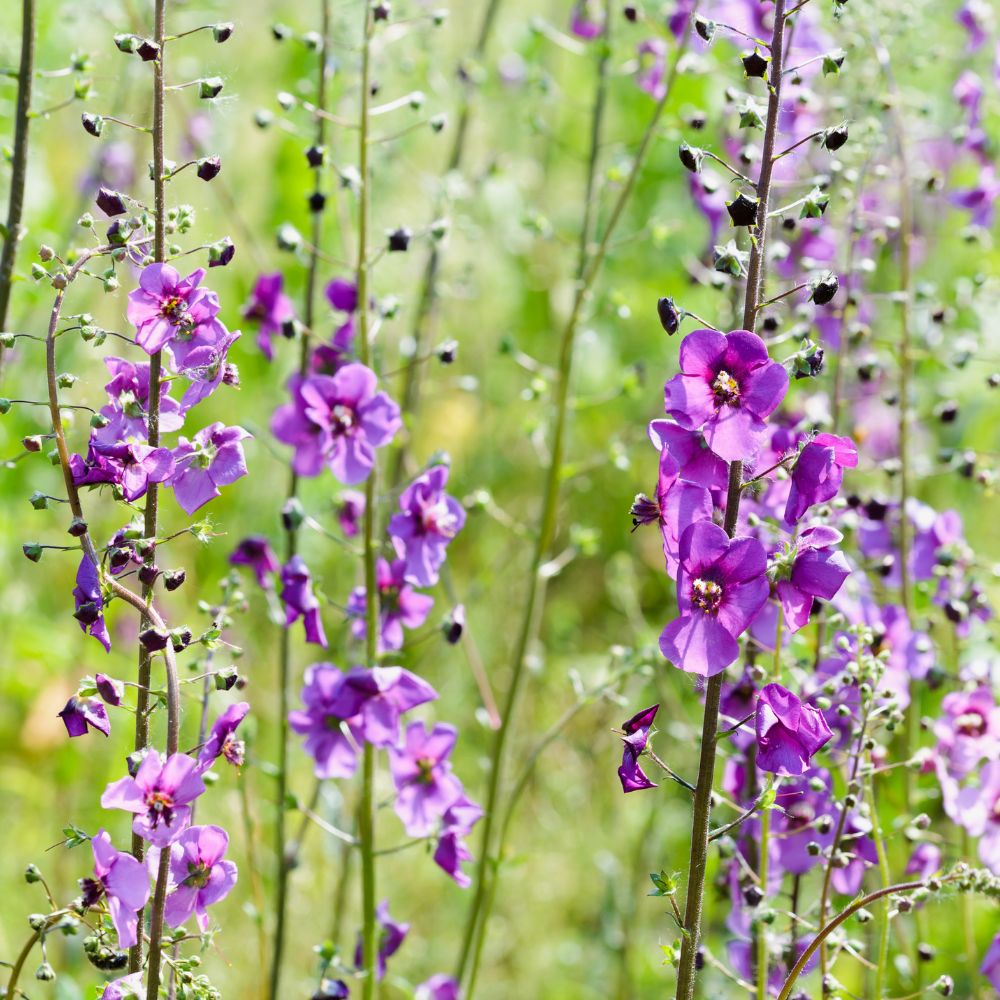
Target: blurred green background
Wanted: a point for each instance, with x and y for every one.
(572, 919)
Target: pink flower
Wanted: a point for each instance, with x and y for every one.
(165, 305)
(122, 882)
(199, 874)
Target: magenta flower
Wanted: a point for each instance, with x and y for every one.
(337, 420)
(925, 860)
(90, 602)
(430, 519)
(451, 851)
(425, 786)
(212, 459)
(271, 308)
(125, 988)
(817, 571)
(300, 601)
(322, 724)
(122, 882)
(969, 730)
(696, 462)
(978, 810)
(399, 606)
(789, 732)
(727, 387)
(636, 737)
(586, 20)
(131, 466)
(378, 697)
(342, 294)
(256, 552)
(128, 392)
(391, 936)
(159, 795)
(165, 304)
(110, 690)
(221, 740)
(80, 713)
(818, 473)
(200, 356)
(721, 585)
(351, 512)
(991, 963)
(439, 987)
(652, 67)
(199, 874)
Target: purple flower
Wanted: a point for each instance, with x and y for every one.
(978, 810)
(342, 294)
(90, 602)
(721, 585)
(969, 730)
(991, 963)
(130, 465)
(378, 697)
(430, 519)
(727, 387)
(652, 67)
(200, 356)
(973, 16)
(636, 737)
(160, 795)
(818, 571)
(128, 391)
(391, 936)
(818, 473)
(199, 874)
(439, 987)
(586, 20)
(110, 690)
(256, 552)
(165, 304)
(322, 724)
(789, 733)
(270, 307)
(221, 742)
(925, 860)
(399, 605)
(451, 851)
(803, 802)
(300, 601)
(337, 420)
(421, 772)
(696, 463)
(980, 200)
(125, 988)
(214, 458)
(122, 882)
(80, 713)
(350, 512)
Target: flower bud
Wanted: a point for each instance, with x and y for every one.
(824, 288)
(210, 88)
(755, 64)
(944, 986)
(154, 640)
(209, 167)
(705, 28)
(743, 210)
(45, 973)
(32, 550)
(174, 578)
(32, 874)
(94, 124)
(223, 31)
(315, 156)
(381, 11)
(670, 315)
(834, 138)
(399, 240)
(691, 157)
(147, 50)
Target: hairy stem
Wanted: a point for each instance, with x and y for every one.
(881, 968)
(19, 162)
(686, 972)
(292, 530)
(531, 610)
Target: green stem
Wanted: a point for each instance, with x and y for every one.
(686, 971)
(881, 968)
(291, 533)
(19, 162)
(486, 869)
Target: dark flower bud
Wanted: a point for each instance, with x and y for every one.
(281, 32)
(944, 986)
(292, 515)
(147, 50)
(77, 527)
(808, 362)
(755, 64)
(705, 28)
(770, 323)
(209, 167)
(699, 959)
(174, 578)
(210, 88)
(824, 824)
(447, 352)
(670, 315)
(317, 201)
(381, 11)
(814, 849)
(834, 138)
(148, 573)
(111, 203)
(696, 120)
(94, 124)
(226, 679)
(956, 611)
(32, 550)
(753, 895)
(824, 288)
(631, 13)
(315, 155)
(691, 157)
(743, 210)
(926, 952)
(221, 253)
(223, 31)
(947, 412)
(154, 640)
(45, 973)
(181, 638)
(454, 624)
(968, 467)
(126, 43)
(994, 380)
(399, 240)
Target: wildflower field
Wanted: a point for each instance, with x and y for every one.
(499, 499)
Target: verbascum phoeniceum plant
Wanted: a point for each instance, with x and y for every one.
(830, 628)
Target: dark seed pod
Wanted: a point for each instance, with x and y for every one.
(670, 316)
(755, 64)
(743, 211)
(834, 138)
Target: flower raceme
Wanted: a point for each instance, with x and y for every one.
(721, 585)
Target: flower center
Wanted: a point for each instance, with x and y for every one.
(341, 418)
(995, 816)
(173, 309)
(439, 520)
(234, 751)
(426, 767)
(726, 389)
(706, 595)
(970, 724)
(161, 806)
(92, 891)
(198, 875)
